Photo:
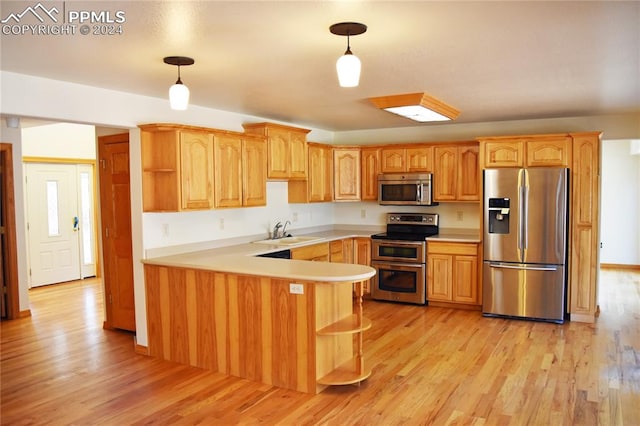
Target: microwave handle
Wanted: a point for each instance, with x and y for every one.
(419, 192)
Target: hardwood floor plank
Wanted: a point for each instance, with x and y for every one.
(429, 366)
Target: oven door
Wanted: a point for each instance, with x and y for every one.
(398, 251)
(399, 282)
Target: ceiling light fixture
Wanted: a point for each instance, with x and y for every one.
(348, 65)
(417, 106)
(179, 93)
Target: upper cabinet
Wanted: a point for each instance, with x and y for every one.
(240, 170)
(406, 160)
(319, 185)
(526, 151)
(456, 173)
(177, 167)
(346, 172)
(286, 149)
(369, 170)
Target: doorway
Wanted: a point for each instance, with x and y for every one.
(60, 222)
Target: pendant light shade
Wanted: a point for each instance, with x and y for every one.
(179, 93)
(179, 96)
(348, 65)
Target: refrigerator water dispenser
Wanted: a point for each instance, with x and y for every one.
(499, 215)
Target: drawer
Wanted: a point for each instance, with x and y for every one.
(470, 249)
(313, 252)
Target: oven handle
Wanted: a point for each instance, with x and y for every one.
(402, 244)
(397, 264)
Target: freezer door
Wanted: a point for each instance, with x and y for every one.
(545, 217)
(525, 291)
(501, 233)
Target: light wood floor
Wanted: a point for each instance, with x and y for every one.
(430, 366)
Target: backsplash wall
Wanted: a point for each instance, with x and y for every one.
(169, 229)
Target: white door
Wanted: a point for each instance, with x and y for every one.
(86, 221)
(55, 223)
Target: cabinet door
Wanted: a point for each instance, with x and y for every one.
(419, 159)
(468, 182)
(336, 252)
(584, 227)
(228, 170)
(316, 172)
(552, 152)
(392, 160)
(439, 277)
(508, 153)
(370, 160)
(362, 256)
(465, 279)
(446, 173)
(297, 155)
(196, 170)
(316, 252)
(254, 173)
(346, 169)
(278, 154)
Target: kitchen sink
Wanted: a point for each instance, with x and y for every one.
(288, 241)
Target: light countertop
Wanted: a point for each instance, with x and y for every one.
(240, 259)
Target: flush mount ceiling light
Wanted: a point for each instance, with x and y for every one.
(417, 106)
(348, 65)
(179, 93)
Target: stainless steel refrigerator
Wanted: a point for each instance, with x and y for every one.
(525, 243)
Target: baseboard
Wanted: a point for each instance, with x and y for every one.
(139, 349)
(620, 266)
(24, 314)
(588, 318)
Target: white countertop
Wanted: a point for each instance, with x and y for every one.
(240, 259)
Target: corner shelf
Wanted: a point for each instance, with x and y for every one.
(349, 325)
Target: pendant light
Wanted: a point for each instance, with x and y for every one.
(348, 65)
(179, 93)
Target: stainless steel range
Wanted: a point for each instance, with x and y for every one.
(400, 256)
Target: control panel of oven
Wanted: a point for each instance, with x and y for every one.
(413, 218)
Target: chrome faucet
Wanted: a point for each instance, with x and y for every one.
(284, 228)
(276, 231)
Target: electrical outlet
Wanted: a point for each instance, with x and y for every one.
(165, 229)
(460, 215)
(363, 213)
(221, 223)
(295, 288)
(295, 216)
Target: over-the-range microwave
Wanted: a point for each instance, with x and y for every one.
(405, 189)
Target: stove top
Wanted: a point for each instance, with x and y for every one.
(409, 227)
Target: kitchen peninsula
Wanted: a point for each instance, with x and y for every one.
(288, 323)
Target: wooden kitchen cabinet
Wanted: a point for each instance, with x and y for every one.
(346, 172)
(177, 168)
(341, 251)
(318, 187)
(585, 185)
(369, 170)
(502, 153)
(362, 256)
(240, 170)
(553, 151)
(418, 159)
(286, 149)
(456, 173)
(316, 252)
(526, 151)
(452, 273)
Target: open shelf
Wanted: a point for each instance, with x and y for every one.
(349, 325)
(346, 374)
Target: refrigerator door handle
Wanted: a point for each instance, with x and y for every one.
(525, 218)
(523, 267)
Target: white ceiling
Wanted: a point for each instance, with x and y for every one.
(494, 61)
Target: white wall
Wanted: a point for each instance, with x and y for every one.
(620, 204)
(34, 97)
(60, 140)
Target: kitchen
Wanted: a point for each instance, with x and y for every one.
(180, 229)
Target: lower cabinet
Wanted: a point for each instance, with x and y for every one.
(452, 273)
(254, 327)
(317, 252)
